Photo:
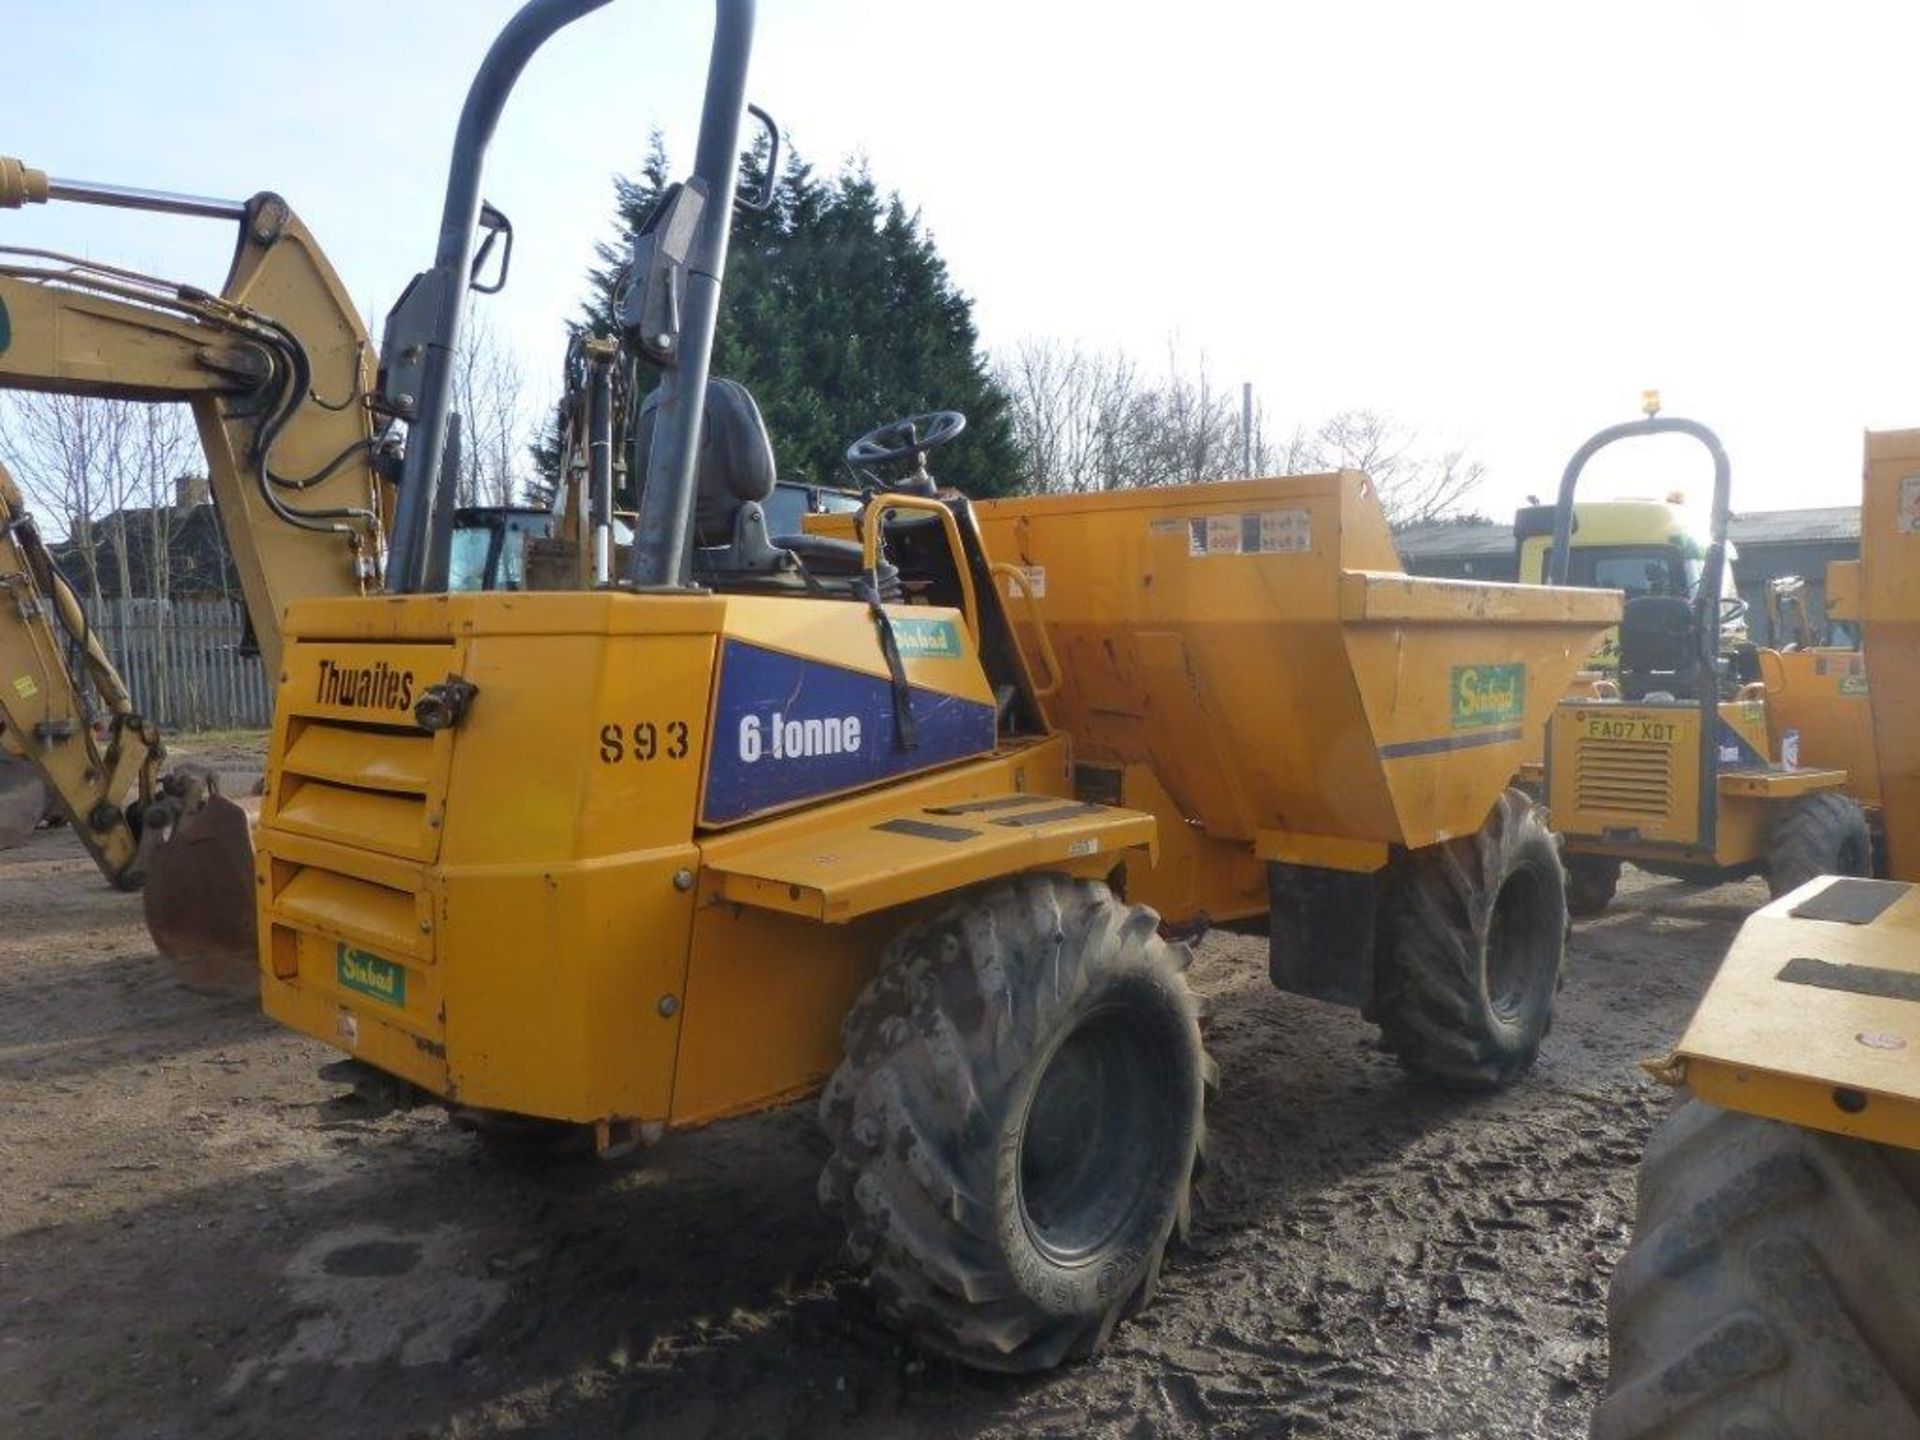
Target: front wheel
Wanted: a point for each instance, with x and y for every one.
(1772, 1287)
(1824, 833)
(1472, 935)
(1017, 1121)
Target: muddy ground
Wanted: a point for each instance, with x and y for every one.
(194, 1242)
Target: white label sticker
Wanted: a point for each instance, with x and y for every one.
(1223, 534)
(1256, 532)
(1909, 516)
(1088, 846)
(1036, 582)
(1286, 532)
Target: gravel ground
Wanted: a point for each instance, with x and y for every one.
(197, 1241)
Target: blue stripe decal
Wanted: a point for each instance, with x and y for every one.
(1735, 752)
(788, 729)
(1434, 746)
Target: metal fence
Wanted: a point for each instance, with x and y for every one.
(182, 661)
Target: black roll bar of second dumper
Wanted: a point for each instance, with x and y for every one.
(1706, 601)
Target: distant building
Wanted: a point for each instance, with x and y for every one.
(1772, 543)
(1767, 544)
(1460, 549)
(198, 565)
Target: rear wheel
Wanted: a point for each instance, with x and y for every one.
(1591, 881)
(1473, 932)
(1017, 1121)
(1824, 833)
(1772, 1288)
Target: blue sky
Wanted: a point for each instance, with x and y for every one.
(1499, 221)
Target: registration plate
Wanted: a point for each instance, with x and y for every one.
(1633, 727)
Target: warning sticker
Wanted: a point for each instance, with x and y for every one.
(1258, 532)
(1286, 532)
(1222, 535)
(24, 686)
(1909, 516)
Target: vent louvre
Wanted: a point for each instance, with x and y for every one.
(359, 784)
(1628, 777)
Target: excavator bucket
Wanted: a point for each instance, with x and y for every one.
(23, 800)
(198, 895)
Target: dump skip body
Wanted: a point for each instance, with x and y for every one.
(1255, 648)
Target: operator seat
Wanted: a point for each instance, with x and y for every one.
(734, 475)
(1657, 651)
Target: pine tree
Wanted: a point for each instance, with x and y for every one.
(838, 313)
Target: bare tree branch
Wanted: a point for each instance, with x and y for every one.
(489, 392)
(1090, 420)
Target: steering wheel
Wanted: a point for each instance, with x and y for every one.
(906, 439)
(1733, 610)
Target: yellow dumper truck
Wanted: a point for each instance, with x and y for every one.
(736, 805)
(745, 815)
(1773, 1283)
(1674, 767)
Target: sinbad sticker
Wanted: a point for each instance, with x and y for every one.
(926, 639)
(1488, 695)
(371, 975)
(1853, 685)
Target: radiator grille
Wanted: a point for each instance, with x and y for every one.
(1628, 777)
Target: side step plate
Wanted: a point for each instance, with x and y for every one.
(841, 872)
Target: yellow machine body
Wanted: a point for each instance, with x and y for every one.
(568, 905)
(1820, 696)
(1812, 1020)
(577, 904)
(1624, 779)
(1248, 661)
(1890, 625)
(1814, 1016)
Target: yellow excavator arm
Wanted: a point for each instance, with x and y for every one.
(48, 658)
(277, 370)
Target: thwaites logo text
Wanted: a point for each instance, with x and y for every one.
(365, 687)
(785, 737)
